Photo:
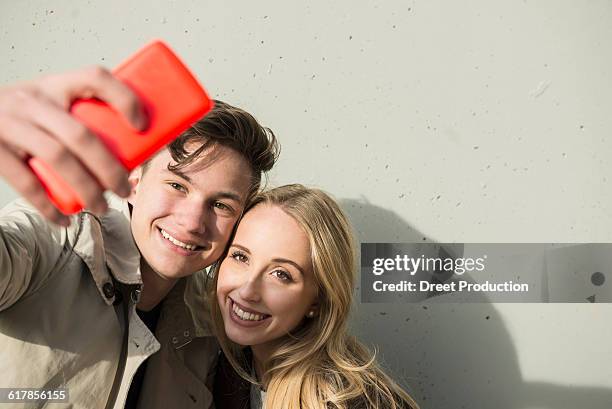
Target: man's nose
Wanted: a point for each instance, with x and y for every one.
(193, 217)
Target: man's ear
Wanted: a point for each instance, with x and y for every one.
(134, 179)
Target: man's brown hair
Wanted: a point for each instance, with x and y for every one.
(231, 127)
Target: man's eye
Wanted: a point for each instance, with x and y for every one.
(239, 256)
(222, 206)
(283, 275)
(177, 186)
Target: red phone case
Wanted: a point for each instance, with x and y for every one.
(173, 99)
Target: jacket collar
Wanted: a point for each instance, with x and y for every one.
(107, 247)
(185, 312)
(196, 299)
(122, 254)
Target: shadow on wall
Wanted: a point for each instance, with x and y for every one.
(450, 356)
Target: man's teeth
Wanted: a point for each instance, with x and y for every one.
(247, 316)
(177, 242)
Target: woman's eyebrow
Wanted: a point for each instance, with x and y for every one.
(246, 250)
(293, 263)
(276, 260)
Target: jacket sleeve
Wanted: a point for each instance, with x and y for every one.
(30, 248)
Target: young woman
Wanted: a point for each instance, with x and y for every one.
(283, 297)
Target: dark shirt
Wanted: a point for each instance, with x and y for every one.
(150, 319)
(230, 391)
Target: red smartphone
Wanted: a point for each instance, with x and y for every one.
(173, 100)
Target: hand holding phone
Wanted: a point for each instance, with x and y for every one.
(172, 99)
(35, 122)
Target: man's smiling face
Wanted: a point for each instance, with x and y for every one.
(182, 219)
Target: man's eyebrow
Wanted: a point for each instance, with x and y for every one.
(229, 195)
(221, 195)
(180, 174)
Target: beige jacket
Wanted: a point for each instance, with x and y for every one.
(60, 329)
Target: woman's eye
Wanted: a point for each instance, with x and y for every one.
(283, 275)
(239, 256)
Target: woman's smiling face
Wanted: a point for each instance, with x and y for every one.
(266, 285)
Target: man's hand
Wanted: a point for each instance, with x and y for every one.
(35, 121)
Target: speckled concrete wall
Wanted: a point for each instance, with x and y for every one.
(469, 121)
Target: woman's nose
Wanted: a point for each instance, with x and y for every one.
(250, 289)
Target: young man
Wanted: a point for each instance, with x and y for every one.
(66, 293)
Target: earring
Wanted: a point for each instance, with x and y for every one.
(310, 314)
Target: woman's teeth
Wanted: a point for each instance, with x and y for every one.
(247, 316)
(177, 242)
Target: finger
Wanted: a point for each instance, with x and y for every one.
(38, 143)
(18, 175)
(83, 144)
(98, 82)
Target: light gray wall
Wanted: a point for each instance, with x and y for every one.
(458, 121)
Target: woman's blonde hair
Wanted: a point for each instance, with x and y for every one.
(319, 365)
